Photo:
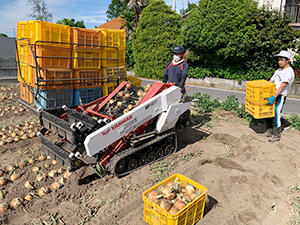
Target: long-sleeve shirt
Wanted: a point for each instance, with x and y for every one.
(176, 73)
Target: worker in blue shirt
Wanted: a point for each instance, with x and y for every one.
(176, 71)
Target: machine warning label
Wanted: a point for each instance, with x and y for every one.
(133, 124)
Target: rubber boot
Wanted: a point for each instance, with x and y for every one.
(276, 134)
(267, 133)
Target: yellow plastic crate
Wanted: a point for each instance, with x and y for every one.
(60, 57)
(113, 37)
(259, 110)
(110, 56)
(155, 215)
(26, 92)
(85, 59)
(108, 88)
(86, 38)
(258, 90)
(22, 29)
(26, 73)
(23, 51)
(134, 81)
(88, 78)
(45, 31)
(109, 72)
(60, 79)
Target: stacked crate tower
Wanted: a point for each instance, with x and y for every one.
(63, 65)
(44, 62)
(256, 93)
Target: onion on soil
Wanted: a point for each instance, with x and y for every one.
(55, 186)
(41, 177)
(52, 173)
(43, 191)
(31, 161)
(10, 168)
(35, 169)
(22, 164)
(42, 158)
(3, 208)
(1, 173)
(29, 184)
(2, 193)
(28, 197)
(16, 202)
(54, 162)
(15, 176)
(67, 174)
(61, 180)
(47, 165)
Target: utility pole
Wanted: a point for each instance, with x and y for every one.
(174, 5)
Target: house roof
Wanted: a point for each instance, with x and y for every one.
(115, 23)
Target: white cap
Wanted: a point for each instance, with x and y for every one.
(285, 54)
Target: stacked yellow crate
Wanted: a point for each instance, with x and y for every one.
(44, 52)
(256, 93)
(113, 57)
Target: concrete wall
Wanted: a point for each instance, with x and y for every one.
(8, 67)
(233, 84)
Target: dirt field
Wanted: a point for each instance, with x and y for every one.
(246, 176)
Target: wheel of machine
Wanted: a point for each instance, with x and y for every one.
(169, 149)
(142, 159)
(151, 156)
(132, 164)
(120, 166)
(159, 153)
(170, 138)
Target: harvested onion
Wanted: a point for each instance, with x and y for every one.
(3, 208)
(29, 184)
(165, 204)
(15, 176)
(169, 193)
(55, 186)
(43, 191)
(16, 202)
(28, 197)
(119, 104)
(42, 157)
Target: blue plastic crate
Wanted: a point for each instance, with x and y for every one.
(87, 95)
(53, 98)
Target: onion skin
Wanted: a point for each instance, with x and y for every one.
(168, 193)
(16, 202)
(189, 190)
(3, 208)
(165, 204)
(173, 210)
(3, 181)
(179, 205)
(15, 176)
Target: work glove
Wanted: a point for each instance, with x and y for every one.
(271, 100)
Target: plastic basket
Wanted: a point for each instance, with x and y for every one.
(87, 78)
(22, 29)
(258, 90)
(113, 37)
(58, 57)
(26, 73)
(50, 32)
(110, 55)
(61, 79)
(85, 59)
(259, 110)
(189, 215)
(87, 38)
(108, 88)
(134, 81)
(26, 92)
(23, 51)
(86, 95)
(53, 98)
(109, 72)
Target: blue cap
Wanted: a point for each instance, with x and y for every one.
(178, 49)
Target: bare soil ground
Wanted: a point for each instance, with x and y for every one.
(246, 176)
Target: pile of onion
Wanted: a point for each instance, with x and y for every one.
(173, 197)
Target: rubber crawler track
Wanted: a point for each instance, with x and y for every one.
(124, 154)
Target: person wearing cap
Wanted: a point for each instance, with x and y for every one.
(176, 71)
(283, 79)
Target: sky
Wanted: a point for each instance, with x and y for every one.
(92, 12)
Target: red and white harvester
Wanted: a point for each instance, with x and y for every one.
(123, 131)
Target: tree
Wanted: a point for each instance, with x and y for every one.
(189, 8)
(71, 22)
(129, 20)
(155, 37)
(116, 8)
(236, 33)
(39, 11)
(137, 6)
(3, 35)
